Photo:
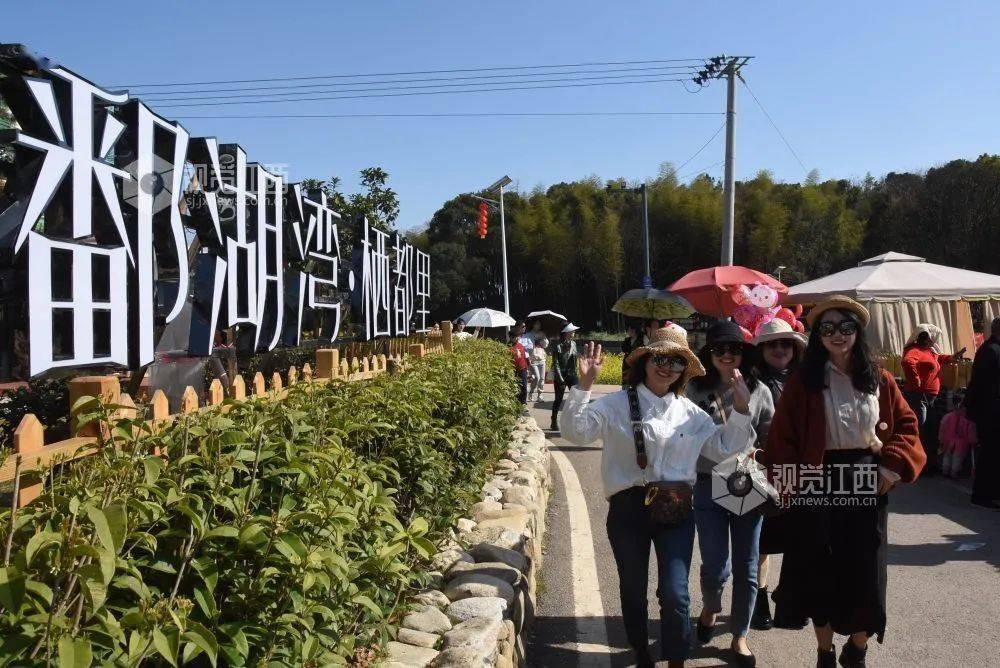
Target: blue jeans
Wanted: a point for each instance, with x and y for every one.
(631, 535)
(715, 527)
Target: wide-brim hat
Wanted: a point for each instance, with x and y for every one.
(777, 329)
(569, 328)
(841, 303)
(669, 340)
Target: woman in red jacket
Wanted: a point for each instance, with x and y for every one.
(842, 437)
(922, 362)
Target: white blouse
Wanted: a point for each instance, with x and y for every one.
(851, 417)
(676, 431)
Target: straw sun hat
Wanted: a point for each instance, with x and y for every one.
(776, 329)
(841, 303)
(669, 340)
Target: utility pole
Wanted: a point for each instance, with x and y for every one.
(647, 279)
(729, 67)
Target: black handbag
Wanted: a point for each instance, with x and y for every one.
(668, 503)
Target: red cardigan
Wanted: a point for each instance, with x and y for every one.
(798, 429)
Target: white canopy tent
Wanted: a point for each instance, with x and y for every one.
(902, 291)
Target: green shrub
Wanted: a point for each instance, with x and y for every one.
(611, 370)
(277, 533)
(47, 398)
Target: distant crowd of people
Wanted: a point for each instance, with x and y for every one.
(783, 402)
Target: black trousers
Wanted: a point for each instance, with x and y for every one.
(986, 484)
(631, 536)
(560, 391)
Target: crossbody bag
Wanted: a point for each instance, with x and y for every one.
(668, 503)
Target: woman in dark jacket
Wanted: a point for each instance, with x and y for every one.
(780, 350)
(564, 373)
(845, 433)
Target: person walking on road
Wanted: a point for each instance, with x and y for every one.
(652, 437)
(780, 350)
(846, 435)
(520, 361)
(538, 358)
(724, 353)
(563, 370)
(922, 362)
(982, 401)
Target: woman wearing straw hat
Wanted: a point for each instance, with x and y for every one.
(652, 437)
(845, 433)
(780, 350)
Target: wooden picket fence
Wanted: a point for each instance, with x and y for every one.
(31, 453)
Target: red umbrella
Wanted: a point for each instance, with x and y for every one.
(708, 290)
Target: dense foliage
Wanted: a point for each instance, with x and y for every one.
(575, 247)
(276, 533)
(47, 399)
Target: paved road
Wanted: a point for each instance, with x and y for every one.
(944, 580)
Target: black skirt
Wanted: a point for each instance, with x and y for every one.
(834, 568)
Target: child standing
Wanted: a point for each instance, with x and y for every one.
(957, 435)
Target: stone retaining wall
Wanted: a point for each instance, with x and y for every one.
(483, 602)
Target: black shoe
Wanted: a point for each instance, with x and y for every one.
(852, 656)
(744, 660)
(704, 633)
(643, 659)
(827, 659)
(761, 619)
(985, 503)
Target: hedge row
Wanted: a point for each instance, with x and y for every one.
(278, 533)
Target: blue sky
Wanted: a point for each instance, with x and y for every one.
(856, 87)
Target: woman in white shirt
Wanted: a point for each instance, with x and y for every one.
(841, 438)
(674, 433)
(538, 358)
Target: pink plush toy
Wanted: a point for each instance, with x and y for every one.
(757, 304)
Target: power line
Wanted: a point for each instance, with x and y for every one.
(400, 81)
(674, 171)
(440, 92)
(703, 170)
(542, 114)
(387, 74)
(467, 85)
(774, 125)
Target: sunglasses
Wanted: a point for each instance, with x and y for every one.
(845, 327)
(784, 344)
(723, 349)
(674, 363)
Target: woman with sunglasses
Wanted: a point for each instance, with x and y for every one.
(846, 433)
(723, 355)
(672, 433)
(779, 354)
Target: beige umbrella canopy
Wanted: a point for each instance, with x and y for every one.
(650, 303)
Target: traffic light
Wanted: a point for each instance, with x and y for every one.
(484, 210)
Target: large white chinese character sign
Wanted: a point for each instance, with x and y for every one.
(116, 224)
(394, 285)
